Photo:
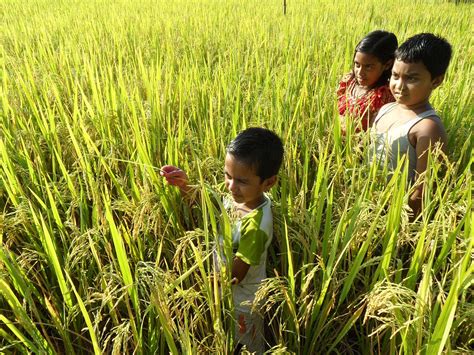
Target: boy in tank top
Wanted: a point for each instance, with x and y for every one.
(410, 126)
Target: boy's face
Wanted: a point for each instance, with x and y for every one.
(411, 83)
(242, 182)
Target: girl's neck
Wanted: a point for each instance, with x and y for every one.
(359, 90)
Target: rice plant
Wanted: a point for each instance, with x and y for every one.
(98, 255)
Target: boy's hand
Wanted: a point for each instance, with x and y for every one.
(175, 176)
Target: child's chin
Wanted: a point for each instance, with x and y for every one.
(238, 199)
(401, 99)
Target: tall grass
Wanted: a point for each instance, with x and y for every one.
(98, 255)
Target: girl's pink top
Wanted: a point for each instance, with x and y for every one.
(365, 106)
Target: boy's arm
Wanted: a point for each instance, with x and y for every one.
(239, 270)
(427, 135)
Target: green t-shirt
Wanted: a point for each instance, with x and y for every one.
(251, 237)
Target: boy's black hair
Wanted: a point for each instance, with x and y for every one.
(433, 51)
(260, 148)
(382, 45)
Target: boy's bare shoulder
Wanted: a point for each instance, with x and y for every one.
(430, 128)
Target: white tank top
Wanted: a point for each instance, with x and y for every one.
(394, 143)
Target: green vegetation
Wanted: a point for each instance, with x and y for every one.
(97, 254)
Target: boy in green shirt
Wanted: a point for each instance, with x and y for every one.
(251, 166)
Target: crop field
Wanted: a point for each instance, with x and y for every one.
(99, 255)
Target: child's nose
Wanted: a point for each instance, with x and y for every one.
(230, 185)
(400, 84)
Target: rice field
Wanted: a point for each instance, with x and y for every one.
(99, 255)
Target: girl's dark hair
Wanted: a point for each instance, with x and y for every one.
(380, 44)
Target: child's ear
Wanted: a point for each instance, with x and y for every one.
(437, 81)
(270, 182)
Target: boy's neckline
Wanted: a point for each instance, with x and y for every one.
(426, 106)
(406, 114)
